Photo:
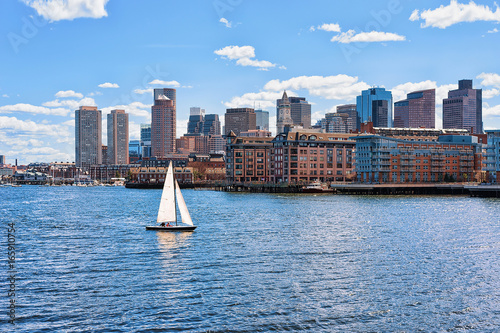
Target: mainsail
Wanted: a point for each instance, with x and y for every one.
(186, 218)
(166, 212)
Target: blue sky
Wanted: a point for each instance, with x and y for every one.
(57, 55)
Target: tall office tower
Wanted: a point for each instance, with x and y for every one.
(196, 111)
(2, 159)
(464, 108)
(88, 136)
(239, 120)
(211, 125)
(417, 110)
(350, 109)
(283, 113)
(195, 124)
(134, 151)
(118, 137)
(337, 123)
(375, 105)
(146, 140)
(262, 120)
(167, 92)
(300, 111)
(163, 122)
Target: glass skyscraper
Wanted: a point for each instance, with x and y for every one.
(375, 105)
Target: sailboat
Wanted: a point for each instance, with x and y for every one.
(167, 213)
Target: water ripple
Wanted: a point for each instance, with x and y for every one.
(256, 263)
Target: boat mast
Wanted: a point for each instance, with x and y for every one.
(175, 199)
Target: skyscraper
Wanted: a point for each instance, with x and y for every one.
(239, 120)
(211, 125)
(464, 108)
(337, 123)
(196, 116)
(375, 105)
(262, 120)
(300, 111)
(88, 136)
(118, 137)
(146, 140)
(417, 110)
(163, 122)
(283, 113)
(350, 109)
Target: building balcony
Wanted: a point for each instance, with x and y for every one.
(437, 157)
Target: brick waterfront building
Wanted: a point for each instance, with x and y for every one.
(306, 156)
(248, 159)
(382, 159)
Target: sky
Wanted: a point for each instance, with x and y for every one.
(56, 55)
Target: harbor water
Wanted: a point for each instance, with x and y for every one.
(256, 262)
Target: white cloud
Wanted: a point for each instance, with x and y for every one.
(489, 79)
(68, 93)
(454, 13)
(367, 37)
(331, 27)
(490, 93)
(243, 55)
(108, 85)
(494, 31)
(181, 127)
(414, 16)
(226, 22)
(56, 10)
(174, 84)
(491, 111)
(12, 123)
(5, 95)
(263, 99)
(236, 52)
(70, 103)
(340, 87)
(33, 109)
(400, 91)
(144, 91)
(135, 108)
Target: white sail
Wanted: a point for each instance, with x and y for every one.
(186, 218)
(166, 212)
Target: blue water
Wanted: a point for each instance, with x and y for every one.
(256, 263)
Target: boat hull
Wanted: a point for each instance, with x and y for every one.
(313, 190)
(172, 228)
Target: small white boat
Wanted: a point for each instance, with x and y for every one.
(316, 187)
(167, 213)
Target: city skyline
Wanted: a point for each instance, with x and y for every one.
(217, 56)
